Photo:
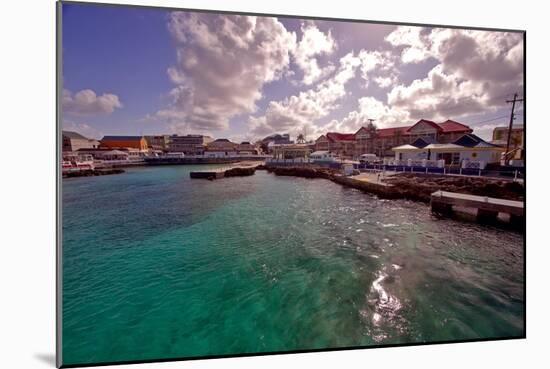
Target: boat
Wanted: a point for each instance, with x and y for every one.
(77, 162)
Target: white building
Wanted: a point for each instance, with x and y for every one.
(468, 148)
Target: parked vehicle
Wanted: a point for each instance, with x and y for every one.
(369, 159)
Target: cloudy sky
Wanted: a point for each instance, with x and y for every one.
(153, 71)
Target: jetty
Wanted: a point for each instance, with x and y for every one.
(487, 208)
(218, 173)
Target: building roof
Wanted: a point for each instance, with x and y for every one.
(335, 136)
(448, 126)
(471, 140)
(406, 147)
(425, 121)
(121, 138)
(453, 126)
(422, 142)
(98, 149)
(222, 140)
(390, 132)
(446, 146)
(74, 135)
(115, 152)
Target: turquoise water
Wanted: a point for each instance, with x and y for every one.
(158, 266)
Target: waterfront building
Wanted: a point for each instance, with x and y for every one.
(266, 144)
(189, 144)
(73, 141)
(290, 153)
(381, 141)
(95, 152)
(127, 142)
(246, 148)
(468, 147)
(113, 155)
(370, 140)
(517, 140)
(105, 153)
(222, 147)
(340, 144)
(158, 142)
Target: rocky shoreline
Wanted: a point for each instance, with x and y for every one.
(240, 172)
(416, 187)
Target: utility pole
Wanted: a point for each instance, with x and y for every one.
(371, 133)
(512, 117)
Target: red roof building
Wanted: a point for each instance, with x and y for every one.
(382, 140)
(451, 126)
(335, 137)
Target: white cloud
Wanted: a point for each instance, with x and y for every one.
(87, 102)
(313, 43)
(223, 61)
(369, 108)
(476, 70)
(438, 96)
(298, 113)
(378, 66)
(385, 82)
(414, 42)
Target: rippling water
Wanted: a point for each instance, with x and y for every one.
(160, 266)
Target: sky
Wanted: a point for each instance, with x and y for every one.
(144, 71)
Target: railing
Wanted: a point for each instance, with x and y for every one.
(468, 164)
(288, 161)
(508, 174)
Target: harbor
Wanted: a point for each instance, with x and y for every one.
(238, 184)
(223, 256)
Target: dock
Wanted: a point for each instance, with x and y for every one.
(211, 174)
(487, 208)
(247, 169)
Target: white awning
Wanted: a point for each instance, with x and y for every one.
(407, 147)
(445, 147)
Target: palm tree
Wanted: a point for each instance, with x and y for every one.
(300, 139)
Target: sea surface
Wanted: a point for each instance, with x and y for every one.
(159, 266)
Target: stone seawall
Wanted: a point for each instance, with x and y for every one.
(411, 187)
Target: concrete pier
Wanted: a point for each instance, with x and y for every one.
(488, 208)
(207, 174)
(222, 173)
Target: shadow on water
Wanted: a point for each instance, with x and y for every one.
(48, 359)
